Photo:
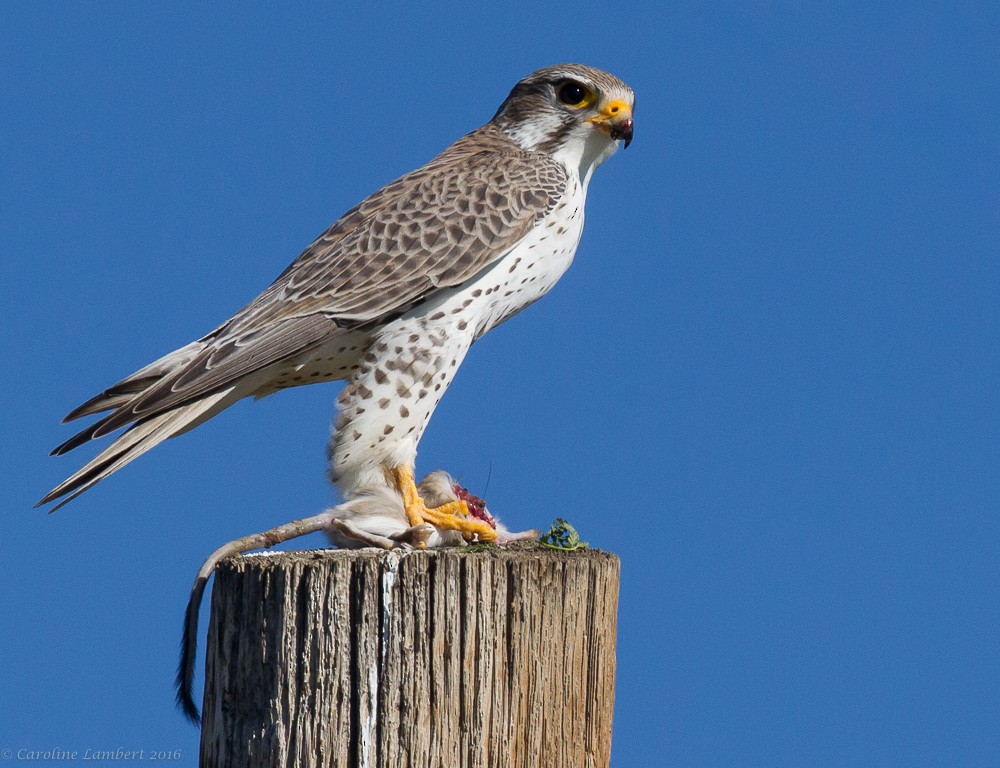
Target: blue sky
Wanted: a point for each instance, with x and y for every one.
(768, 382)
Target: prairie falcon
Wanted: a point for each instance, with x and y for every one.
(393, 294)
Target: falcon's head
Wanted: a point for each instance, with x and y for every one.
(570, 111)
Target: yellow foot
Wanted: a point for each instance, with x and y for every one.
(452, 516)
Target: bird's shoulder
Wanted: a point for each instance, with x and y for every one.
(431, 228)
(485, 160)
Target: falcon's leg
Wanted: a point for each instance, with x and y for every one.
(452, 516)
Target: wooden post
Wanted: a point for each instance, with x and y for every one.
(504, 657)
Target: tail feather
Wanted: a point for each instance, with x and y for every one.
(125, 390)
(81, 437)
(134, 442)
(112, 398)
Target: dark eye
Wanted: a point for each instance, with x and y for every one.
(572, 93)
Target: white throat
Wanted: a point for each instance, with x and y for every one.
(585, 147)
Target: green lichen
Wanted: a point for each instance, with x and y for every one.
(479, 546)
(562, 536)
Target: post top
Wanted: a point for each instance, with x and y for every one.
(519, 552)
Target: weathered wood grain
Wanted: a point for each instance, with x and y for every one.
(439, 658)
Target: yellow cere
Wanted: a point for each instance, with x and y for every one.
(616, 108)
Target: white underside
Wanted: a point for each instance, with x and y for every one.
(456, 317)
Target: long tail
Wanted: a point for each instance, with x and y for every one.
(264, 540)
(189, 649)
(128, 388)
(185, 388)
(136, 441)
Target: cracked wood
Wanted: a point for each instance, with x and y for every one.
(438, 658)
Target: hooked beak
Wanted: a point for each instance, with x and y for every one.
(615, 120)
